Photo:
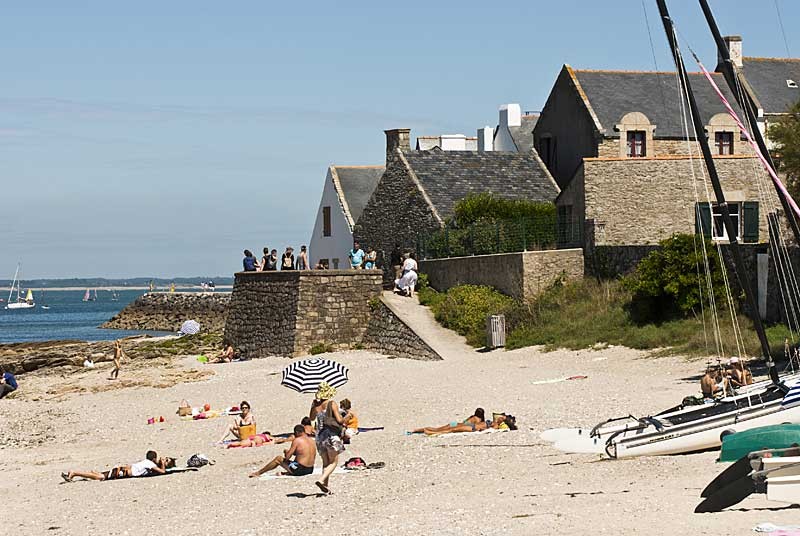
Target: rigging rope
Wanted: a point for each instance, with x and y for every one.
(780, 23)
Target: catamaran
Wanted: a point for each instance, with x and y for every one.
(19, 303)
(689, 428)
(88, 296)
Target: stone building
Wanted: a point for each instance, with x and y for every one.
(447, 142)
(346, 191)
(419, 189)
(771, 84)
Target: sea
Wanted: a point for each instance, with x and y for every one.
(68, 317)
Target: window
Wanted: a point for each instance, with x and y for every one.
(636, 143)
(724, 142)
(326, 221)
(335, 264)
(718, 231)
(744, 216)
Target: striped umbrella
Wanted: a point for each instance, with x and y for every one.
(305, 376)
(190, 327)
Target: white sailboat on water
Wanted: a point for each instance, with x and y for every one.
(19, 303)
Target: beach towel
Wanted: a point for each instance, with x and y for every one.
(373, 429)
(317, 472)
(775, 530)
(557, 380)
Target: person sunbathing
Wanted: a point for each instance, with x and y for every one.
(227, 354)
(243, 426)
(151, 465)
(503, 421)
(307, 426)
(303, 449)
(252, 441)
(474, 423)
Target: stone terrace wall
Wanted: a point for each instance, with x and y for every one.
(166, 311)
(285, 313)
(391, 336)
(521, 275)
(334, 307)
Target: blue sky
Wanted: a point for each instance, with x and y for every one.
(162, 138)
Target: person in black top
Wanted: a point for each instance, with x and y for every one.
(272, 260)
(264, 260)
(396, 258)
(287, 259)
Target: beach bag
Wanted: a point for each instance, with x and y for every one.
(247, 431)
(355, 463)
(197, 460)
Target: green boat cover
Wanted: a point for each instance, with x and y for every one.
(740, 444)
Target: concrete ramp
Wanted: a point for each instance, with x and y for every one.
(446, 343)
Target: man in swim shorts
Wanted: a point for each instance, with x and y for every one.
(151, 465)
(303, 449)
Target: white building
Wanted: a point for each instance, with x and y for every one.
(347, 189)
(514, 131)
(447, 142)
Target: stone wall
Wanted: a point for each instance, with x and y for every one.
(285, 313)
(166, 311)
(611, 148)
(644, 200)
(388, 334)
(521, 275)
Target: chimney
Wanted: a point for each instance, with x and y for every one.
(485, 139)
(397, 138)
(453, 142)
(510, 115)
(734, 45)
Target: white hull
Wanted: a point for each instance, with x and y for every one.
(21, 305)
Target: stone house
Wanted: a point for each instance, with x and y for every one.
(419, 189)
(771, 84)
(347, 189)
(615, 142)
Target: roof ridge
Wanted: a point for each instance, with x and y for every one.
(357, 167)
(624, 71)
(766, 58)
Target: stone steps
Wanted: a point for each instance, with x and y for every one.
(446, 343)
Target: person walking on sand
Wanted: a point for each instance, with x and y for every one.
(329, 432)
(302, 259)
(302, 449)
(118, 355)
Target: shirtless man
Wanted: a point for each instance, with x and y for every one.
(738, 373)
(710, 382)
(119, 354)
(304, 451)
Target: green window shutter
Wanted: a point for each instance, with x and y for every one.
(702, 216)
(750, 214)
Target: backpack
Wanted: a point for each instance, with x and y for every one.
(198, 460)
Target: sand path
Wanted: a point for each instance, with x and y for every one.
(509, 483)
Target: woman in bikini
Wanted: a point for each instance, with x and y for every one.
(474, 423)
(245, 419)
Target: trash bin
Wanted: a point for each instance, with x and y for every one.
(495, 331)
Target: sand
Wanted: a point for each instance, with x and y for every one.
(505, 483)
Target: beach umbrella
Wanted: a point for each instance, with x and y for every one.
(306, 375)
(190, 327)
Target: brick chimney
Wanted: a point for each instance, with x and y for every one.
(734, 45)
(397, 137)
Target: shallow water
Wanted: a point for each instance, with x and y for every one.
(68, 317)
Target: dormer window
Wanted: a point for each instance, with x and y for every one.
(791, 83)
(724, 142)
(637, 146)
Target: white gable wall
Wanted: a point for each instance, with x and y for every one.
(510, 116)
(340, 242)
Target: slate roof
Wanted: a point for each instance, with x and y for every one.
(612, 94)
(356, 184)
(767, 77)
(523, 134)
(448, 176)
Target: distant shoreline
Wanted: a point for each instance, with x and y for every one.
(219, 288)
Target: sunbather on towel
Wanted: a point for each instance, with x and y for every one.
(302, 449)
(245, 419)
(309, 428)
(252, 441)
(474, 423)
(503, 421)
(151, 465)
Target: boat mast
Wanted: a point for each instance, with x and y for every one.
(718, 193)
(732, 77)
(13, 282)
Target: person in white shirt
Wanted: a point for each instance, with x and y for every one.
(151, 465)
(408, 281)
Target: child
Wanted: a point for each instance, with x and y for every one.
(349, 419)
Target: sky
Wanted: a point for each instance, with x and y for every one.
(162, 138)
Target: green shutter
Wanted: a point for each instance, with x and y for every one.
(750, 215)
(702, 219)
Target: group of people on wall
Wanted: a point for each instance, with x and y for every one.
(271, 262)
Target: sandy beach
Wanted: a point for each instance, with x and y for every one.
(504, 483)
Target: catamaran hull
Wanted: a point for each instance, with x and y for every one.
(697, 436)
(20, 305)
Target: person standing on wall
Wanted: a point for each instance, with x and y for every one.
(249, 262)
(302, 259)
(287, 259)
(262, 266)
(356, 256)
(272, 261)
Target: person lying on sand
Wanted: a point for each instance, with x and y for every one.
(246, 420)
(151, 465)
(503, 421)
(252, 441)
(473, 423)
(302, 449)
(307, 426)
(226, 356)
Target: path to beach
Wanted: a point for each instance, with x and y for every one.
(504, 483)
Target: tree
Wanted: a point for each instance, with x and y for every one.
(785, 134)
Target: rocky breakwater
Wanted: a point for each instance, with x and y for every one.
(166, 311)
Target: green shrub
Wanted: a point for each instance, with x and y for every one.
(320, 348)
(487, 206)
(670, 282)
(464, 309)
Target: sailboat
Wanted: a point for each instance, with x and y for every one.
(114, 295)
(87, 296)
(692, 428)
(42, 304)
(19, 303)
